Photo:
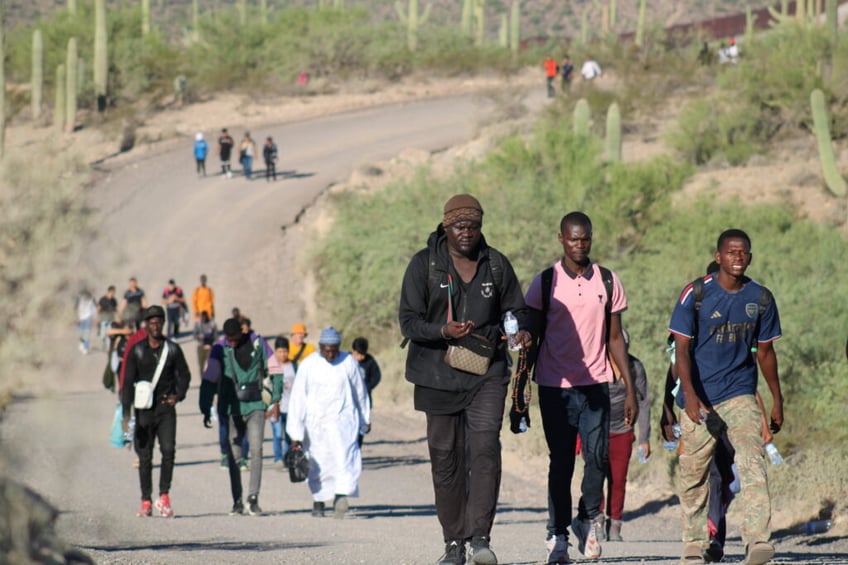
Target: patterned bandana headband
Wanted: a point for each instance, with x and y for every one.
(462, 207)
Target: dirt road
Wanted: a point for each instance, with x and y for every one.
(160, 221)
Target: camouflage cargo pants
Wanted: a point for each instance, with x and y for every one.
(744, 426)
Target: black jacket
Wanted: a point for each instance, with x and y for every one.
(141, 366)
(423, 312)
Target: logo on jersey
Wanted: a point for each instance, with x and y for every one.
(487, 291)
(716, 315)
(751, 309)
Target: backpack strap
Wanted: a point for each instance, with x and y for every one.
(606, 278)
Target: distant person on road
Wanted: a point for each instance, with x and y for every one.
(134, 303)
(718, 384)
(203, 300)
(269, 153)
(247, 152)
(160, 360)
(225, 151)
(550, 74)
(86, 310)
(370, 369)
(235, 373)
(175, 302)
(566, 68)
(299, 350)
(206, 334)
(621, 439)
(328, 410)
(456, 286)
(201, 148)
(107, 308)
(590, 70)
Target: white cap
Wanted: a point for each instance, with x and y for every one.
(199, 136)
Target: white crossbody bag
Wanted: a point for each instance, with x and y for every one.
(144, 389)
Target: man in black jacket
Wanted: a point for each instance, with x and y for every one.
(456, 286)
(170, 378)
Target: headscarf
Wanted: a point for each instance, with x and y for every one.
(462, 207)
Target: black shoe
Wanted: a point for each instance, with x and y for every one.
(714, 553)
(454, 554)
(238, 508)
(317, 509)
(481, 553)
(340, 506)
(253, 505)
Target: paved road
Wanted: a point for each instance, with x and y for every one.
(159, 221)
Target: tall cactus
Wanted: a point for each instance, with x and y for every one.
(801, 11)
(779, 17)
(515, 27)
(613, 14)
(59, 98)
(832, 15)
(145, 17)
(263, 12)
(37, 78)
(479, 22)
(412, 18)
(584, 27)
(605, 22)
(71, 85)
(503, 32)
(467, 16)
(832, 177)
(2, 78)
(613, 140)
(749, 26)
(640, 23)
(582, 118)
(195, 20)
(101, 61)
(72, 6)
(242, 7)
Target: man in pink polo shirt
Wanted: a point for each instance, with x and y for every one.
(573, 373)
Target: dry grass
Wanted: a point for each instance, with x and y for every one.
(42, 223)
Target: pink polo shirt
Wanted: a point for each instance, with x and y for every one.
(574, 352)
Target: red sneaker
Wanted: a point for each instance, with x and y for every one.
(163, 505)
(146, 509)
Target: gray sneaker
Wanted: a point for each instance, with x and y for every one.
(253, 505)
(238, 508)
(557, 547)
(587, 537)
(481, 553)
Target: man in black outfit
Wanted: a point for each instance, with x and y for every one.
(456, 286)
(170, 379)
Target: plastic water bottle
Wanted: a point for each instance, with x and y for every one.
(735, 485)
(675, 429)
(522, 425)
(816, 527)
(510, 329)
(773, 454)
(130, 435)
(670, 445)
(640, 453)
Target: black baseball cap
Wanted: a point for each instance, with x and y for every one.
(154, 311)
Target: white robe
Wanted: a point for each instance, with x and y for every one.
(328, 408)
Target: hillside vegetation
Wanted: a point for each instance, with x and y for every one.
(530, 180)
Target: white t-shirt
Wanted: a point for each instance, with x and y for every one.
(590, 70)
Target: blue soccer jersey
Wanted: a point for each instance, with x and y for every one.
(728, 327)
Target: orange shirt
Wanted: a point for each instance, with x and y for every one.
(203, 300)
(550, 67)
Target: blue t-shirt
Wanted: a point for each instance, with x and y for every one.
(723, 366)
(201, 148)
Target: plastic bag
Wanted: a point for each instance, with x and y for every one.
(117, 436)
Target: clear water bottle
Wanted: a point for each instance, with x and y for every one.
(130, 435)
(522, 424)
(640, 453)
(773, 454)
(670, 445)
(510, 329)
(735, 485)
(675, 429)
(816, 527)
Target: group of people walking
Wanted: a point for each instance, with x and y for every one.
(247, 153)
(317, 401)
(456, 293)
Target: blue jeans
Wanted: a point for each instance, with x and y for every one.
(84, 332)
(565, 413)
(224, 437)
(281, 440)
(247, 165)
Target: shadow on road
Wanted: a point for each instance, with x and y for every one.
(205, 545)
(383, 462)
(651, 507)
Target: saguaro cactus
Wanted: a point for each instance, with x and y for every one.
(605, 24)
(412, 18)
(613, 14)
(59, 101)
(145, 17)
(2, 78)
(515, 26)
(71, 85)
(242, 7)
(503, 32)
(582, 118)
(584, 27)
(749, 26)
(101, 61)
(479, 22)
(263, 12)
(640, 23)
(832, 177)
(832, 19)
(613, 140)
(195, 20)
(37, 78)
(72, 6)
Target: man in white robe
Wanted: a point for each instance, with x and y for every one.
(328, 410)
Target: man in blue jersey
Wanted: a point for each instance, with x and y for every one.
(718, 381)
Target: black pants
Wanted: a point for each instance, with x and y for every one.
(173, 322)
(159, 423)
(201, 166)
(550, 81)
(270, 170)
(465, 460)
(565, 413)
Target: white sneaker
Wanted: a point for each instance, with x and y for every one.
(557, 547)
(587, 538)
